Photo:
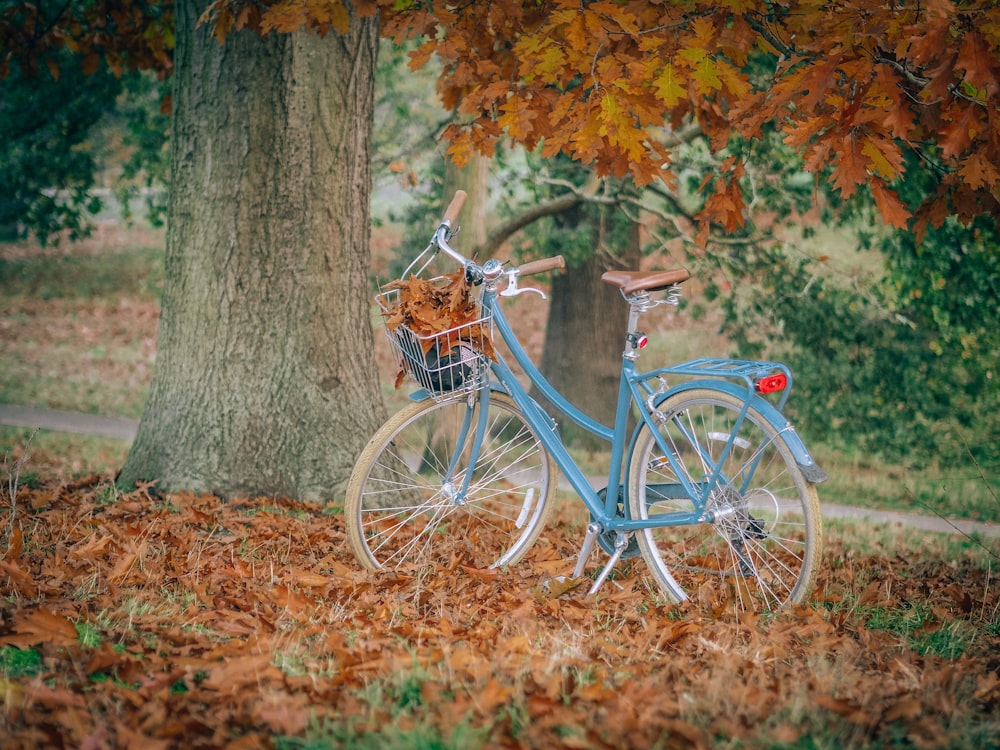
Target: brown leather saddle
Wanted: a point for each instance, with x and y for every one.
(631, 282)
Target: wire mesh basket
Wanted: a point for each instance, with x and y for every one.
(442, 362)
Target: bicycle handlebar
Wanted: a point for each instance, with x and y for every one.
(451, 213)
(542, 265)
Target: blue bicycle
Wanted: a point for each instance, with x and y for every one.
(708, 481)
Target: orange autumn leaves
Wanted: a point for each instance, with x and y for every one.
(851, 86)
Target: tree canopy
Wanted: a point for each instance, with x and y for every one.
(851, 85)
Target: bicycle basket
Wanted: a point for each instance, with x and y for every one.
(442, 361)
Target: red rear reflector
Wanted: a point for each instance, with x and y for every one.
(771, 383)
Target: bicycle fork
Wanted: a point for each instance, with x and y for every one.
(456, 494)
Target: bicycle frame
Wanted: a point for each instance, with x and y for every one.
(634, 389)
(603, 512)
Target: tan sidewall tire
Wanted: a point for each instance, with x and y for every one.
(807, 493)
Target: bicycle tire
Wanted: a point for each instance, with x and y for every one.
(398, 510)
(762, 547)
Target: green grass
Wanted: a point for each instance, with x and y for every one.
(63, 454)
(402, 724)
(863, 537)
(969, 491)
(17, 662)
(85, 391)
(79, 330)
(132, 271)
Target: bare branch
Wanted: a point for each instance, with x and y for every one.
(509, 228)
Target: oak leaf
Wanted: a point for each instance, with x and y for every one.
(41, 626)
(669, 86)
(978, 171)
(975, 59)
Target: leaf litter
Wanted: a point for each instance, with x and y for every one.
(183, 620)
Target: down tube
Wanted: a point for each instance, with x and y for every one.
(543, 385)
(545, 428)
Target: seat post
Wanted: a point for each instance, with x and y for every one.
(638, 303)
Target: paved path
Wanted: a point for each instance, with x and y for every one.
(68, 421)
(124, 429)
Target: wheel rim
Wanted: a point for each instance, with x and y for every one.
(757, 548)
(413, 511)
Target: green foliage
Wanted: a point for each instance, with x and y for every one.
(57, 127)
(145, 131)
(902, 364)
(874, 375)
(46, 173)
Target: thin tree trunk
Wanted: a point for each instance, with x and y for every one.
(585, 336)
(265, 382)
(473, 178)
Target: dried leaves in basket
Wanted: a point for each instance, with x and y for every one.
(429, 307)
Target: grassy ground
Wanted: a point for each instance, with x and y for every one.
(187, 621)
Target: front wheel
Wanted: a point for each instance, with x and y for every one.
(414, 498)
(761, 541)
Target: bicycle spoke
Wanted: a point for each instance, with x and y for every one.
(404, 506)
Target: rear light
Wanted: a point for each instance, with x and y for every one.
(771, 383)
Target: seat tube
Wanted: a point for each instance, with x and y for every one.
(618, 444)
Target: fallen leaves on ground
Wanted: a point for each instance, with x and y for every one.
(187, 621)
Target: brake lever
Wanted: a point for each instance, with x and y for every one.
(512, 291)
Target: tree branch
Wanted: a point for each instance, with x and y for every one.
(511, 227)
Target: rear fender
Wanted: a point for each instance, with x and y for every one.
(807, 465)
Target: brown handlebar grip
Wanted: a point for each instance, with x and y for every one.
(542, 265)
(454, 207)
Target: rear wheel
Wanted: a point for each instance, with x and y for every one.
(761, 545)
(405, 502)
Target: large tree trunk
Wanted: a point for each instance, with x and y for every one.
(585, 336)
(265, 382)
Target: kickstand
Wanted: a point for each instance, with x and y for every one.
(621, 542)
(593, 529)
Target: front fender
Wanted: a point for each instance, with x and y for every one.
(422, 394)
(807, 465)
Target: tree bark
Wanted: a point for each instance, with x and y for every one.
(265, 383)
(585, 336)
(473, 178)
